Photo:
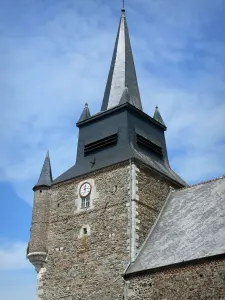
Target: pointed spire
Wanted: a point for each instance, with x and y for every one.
(157, 116)
(85, 114)
(45, 178)
(122, 71)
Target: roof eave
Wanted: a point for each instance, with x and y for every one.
(41, 186)
(176, 265)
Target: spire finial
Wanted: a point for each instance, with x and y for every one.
(123, 5)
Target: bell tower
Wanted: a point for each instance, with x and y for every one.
(101, 209)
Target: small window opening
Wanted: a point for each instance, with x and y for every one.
(115, 189)
(58, 204)
(85, 230)
(40, 191)
(201, 275)
(85, 202)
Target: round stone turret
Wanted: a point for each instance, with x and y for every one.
(37, 247)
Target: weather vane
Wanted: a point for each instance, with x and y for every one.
(123, 4)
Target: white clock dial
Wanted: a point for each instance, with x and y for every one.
(85, 189)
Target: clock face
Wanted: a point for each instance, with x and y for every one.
(85, 189)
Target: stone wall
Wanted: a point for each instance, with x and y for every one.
(153, 190)
(125, 201)
(40, 216)
(88, 266)
(204, 281)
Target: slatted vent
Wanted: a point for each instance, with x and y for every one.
(101, 144)
(148, 144)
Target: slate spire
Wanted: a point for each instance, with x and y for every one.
(45, 178)
(85, 114)
(122, 71)
(157, 116)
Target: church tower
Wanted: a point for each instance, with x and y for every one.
(89, 223)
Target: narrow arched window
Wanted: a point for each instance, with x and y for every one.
(85, 202)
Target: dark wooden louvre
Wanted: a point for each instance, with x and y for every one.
(148, 144)
(101, 144)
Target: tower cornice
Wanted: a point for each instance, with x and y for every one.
(118, 108)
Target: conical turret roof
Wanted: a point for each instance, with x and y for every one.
(45, 178)
(122, 71)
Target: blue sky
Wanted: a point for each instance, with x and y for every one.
(55, 56)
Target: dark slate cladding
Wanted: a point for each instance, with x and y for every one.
(101, 144)
(45, 178)
(124, 121)
(142, 141)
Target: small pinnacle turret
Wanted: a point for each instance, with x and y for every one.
(122, 71)
(85, 114)
(157, 116)
(45, 178)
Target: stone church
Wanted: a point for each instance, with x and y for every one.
(120, 223)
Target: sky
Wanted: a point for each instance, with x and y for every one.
(55, 56)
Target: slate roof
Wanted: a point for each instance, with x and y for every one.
(122, 71)
(159, 166)
(118, 157)
(190, 226)
(45, 178)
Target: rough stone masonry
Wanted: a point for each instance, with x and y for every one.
(90, 264)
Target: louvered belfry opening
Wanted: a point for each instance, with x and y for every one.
(101, 144)
(142, 141)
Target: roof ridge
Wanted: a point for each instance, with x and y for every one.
(200, 183)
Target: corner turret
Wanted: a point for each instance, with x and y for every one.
(37, 247)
